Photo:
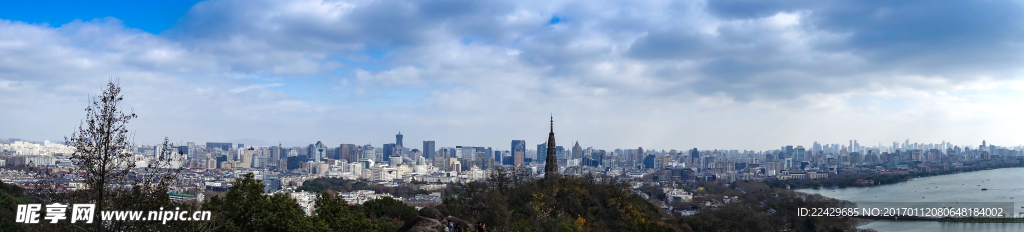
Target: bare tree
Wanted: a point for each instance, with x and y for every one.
(104, 153)
(102, 146)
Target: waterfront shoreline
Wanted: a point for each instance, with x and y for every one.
(1001, 182)
(857, 222)
(909, 177)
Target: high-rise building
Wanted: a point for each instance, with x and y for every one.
(485, 152)
(649, 162)
(637, 159)
(369, 152)
(398, 139)
(183, 150)
(348, 153)
(551, 167)
(389, 149)
(518, 152)
(800, 154)
(320, 152)
(694, 156)
(275, 152)
(507, 160)
(310, 152)
(577, 151)
(295, 161)
(444, 153)
(192, 150)
(221, 159)
(542, 150)
(222, 146)
(463, 152)
(429, 151)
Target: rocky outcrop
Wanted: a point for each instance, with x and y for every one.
(431, 219)
(430, 212)
(422, 224)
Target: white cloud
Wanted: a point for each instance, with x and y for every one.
(254, 87)
(615, 74)
(398, 76)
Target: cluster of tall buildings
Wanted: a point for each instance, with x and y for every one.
(391, 161)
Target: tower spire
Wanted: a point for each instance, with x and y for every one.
(551, 161)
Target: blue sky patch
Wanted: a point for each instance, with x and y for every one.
(554, 20)
(150, 16)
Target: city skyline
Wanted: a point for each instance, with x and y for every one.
(854, 146)
(714, 74)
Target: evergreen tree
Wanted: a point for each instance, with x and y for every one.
(339, 216)
(245, 208)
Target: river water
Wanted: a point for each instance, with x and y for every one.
(1004, 185)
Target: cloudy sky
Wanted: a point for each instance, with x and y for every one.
(731, 74)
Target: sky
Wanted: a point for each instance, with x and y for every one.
(734, 74)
